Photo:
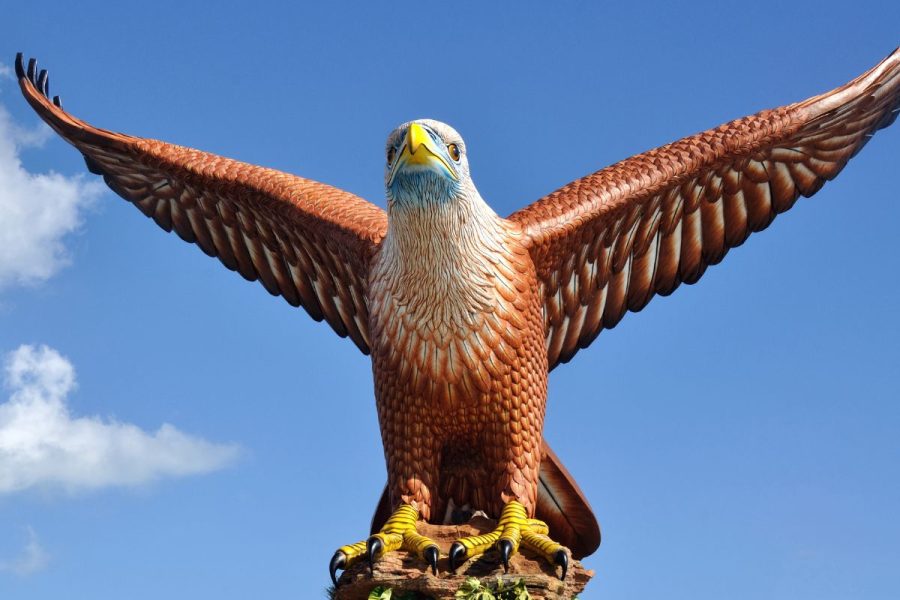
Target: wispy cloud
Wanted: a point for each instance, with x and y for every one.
(5, 71)
(43, 445)
(32, 559)
(37, 210)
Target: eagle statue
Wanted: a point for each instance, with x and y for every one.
(463, 312)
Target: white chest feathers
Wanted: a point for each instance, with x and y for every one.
(449, 295)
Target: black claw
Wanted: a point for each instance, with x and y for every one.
(457, 555)
(57, 101)
(505, 548)
(41, 83)
(337, 562)
(562, 559)
(20, 68)
(374, 547)
(32, 66)
(431, 557)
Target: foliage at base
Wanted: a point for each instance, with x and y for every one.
(386, 593)
(471, 589)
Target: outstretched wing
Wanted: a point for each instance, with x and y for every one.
(609, 242)
(303, 240)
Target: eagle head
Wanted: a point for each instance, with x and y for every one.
(426, 165)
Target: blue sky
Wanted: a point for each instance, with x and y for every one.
(737, 439)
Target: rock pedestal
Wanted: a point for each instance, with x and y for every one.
(404, 573)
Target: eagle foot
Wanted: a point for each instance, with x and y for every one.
(514, 530)
(398, 533)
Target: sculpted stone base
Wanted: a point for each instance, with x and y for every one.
(404, 573)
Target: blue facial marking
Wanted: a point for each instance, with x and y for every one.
(422, 186)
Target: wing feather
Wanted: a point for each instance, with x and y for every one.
(649, 223)
(303, 240)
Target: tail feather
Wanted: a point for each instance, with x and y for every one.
(562, 505)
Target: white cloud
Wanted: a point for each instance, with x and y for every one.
(5, 72)
(37, 210)
(33, 557)
(43, 445)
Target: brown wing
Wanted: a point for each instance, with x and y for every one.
(607, 243)
(303, 240)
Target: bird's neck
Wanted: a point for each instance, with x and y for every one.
(446, 232)
(445, 251)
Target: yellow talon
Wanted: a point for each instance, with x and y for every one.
(398, 533)
(513, 529)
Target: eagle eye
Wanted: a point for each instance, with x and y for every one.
(390, 155)
(453, 149)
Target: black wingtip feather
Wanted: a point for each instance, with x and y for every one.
(41, 81)
(42, 84)
(20, 67)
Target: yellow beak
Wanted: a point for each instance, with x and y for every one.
(416, 137)
(420, 149)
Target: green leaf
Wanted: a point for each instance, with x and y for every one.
(520, 591)
(380, 593)
(516, 591)
(471, 589)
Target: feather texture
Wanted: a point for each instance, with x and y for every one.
(465, 313)
(305, 241)
(562, 505)
(645, 225)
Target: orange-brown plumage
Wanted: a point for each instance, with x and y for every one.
(459, 364)
(645, 225)
(463, 312)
